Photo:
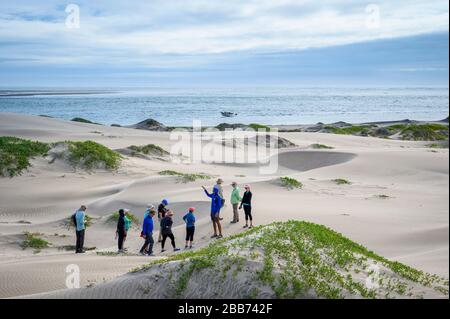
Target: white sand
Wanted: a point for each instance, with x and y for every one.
(411, 226)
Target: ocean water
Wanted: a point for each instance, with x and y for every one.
(179, 106)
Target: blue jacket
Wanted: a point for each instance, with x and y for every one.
(79, 217)
(189, 218)
(216, 200)
(148, 225)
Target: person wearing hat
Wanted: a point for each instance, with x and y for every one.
(216, 205)
(162, 210)
(189, 219)
(128, 222)
(147, 234)
(150, 208)
(166, 230)
(235, 200)
(218, 185)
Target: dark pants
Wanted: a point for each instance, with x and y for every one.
(190, 233)
(80, 240)
(172, 239)
(248, 212)
(148, 243)
(121, 237)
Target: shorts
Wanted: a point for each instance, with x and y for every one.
(215, 217)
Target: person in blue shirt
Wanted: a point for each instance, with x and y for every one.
(189, 219)
(147, 233)
(216, 205)
(79, 217)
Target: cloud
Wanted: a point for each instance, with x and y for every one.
(158, 32)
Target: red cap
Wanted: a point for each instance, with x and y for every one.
(192, 209)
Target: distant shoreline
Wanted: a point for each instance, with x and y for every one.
(46, 93)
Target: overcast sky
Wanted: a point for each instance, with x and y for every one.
(214, 43)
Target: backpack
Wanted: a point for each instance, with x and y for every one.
(74, 219)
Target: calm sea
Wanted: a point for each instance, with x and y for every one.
(178, 107)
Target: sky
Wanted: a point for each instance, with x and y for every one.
(224, 43)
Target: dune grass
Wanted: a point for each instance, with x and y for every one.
(296, 259)
(321, 147)
(350, 130)
(89, 155)
(290, 183)
(186, 177)
(32, 240)
(150, 149)
(257, 127)
(114, 217)
(342, 181)
(15, 154)
(425, 132)
(68, 222)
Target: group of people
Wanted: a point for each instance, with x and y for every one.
(165, 218)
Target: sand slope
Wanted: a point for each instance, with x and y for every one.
(411, 225)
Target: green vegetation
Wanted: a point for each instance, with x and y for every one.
(150, 149)
(290, 183)
(350, 130)
(82, 120)
(256, 127)
(15, 154)
(425, 132)
(114, 217)
(437, 145)
(68, 222)
(321, 147)
(341, 181)
(185, 178)
(295, 259)
(32, 240)
(91, 155)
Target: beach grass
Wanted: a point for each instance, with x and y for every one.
(90, 155)
(290, 183)
(342, 181)
(186, 177)
(114, 217)
(296, 259)
(15, 154)
(149, 149)
(321, 147)
(33, 240)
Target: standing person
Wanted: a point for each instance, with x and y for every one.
(166, 229)
(219, 183)
(235, 200)
(79, 219)
(121, 232)
(189, 219)
(150, 207)
(162, 211)
(128, 222)
(216, 205)
(147, 233)
(247, 204)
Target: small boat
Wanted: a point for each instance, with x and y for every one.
(228, 114)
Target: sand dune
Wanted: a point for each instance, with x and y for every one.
(410, 223)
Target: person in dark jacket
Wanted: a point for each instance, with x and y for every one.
(166, 230)
(162, 210)
(121, 232)
(147, 234)
(216, 205)
(189, 219)
(247, 204)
